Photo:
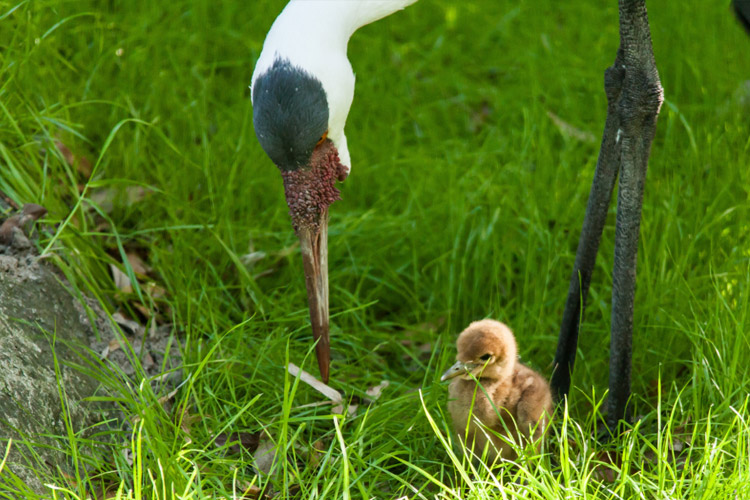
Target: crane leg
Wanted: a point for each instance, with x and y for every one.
(634, 96)
(742, 10)
(588, 243)
(641, 99)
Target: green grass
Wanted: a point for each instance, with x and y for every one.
(465, 201)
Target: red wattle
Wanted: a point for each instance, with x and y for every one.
(311, 189)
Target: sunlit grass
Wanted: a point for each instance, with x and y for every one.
(465, 201)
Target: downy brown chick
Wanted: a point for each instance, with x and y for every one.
(521, 400)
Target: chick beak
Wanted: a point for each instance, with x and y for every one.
(459, 368)
(314, 246)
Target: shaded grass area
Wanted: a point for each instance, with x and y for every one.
(465, 201)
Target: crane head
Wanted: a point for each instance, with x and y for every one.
(290, 115)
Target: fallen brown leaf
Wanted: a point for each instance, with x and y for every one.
(29, 213)
(238, 441)
(265, 454)
(6, 230)
(122, 282)
(81, 163)
(316, 384)
(131, 327)
(148, 361)
(604, 469)
(376, 391)
(351, 410)
(162, 400)
(155, 291)
(252, 258)
(145, 311)
(324, 389)
(135, 261)
(113, 345)
(253, 492)
(32, 211)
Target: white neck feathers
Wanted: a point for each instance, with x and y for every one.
(313, 35)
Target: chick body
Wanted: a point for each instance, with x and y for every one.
(521, 401)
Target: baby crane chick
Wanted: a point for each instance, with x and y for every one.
(521, 397)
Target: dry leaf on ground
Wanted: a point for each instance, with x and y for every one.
(252, 258)
(238, 441)
(324, 389)
(29, 213)
(81, 163)
(127, 325)
(122, 282)
(135, 261)
(253, 492)
(316, 384)
(376, 391)
(604, 469)
(265, 455)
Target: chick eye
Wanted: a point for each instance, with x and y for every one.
(486, 357)
(322, 138)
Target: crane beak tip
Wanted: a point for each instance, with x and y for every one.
(314, 247)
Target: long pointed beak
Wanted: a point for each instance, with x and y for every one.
(314, 245)
(459, 368)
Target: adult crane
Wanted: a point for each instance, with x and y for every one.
(302, 89)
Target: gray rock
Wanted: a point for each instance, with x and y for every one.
(45, 331)
(42, 329)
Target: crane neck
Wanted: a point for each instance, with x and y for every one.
(333, 22)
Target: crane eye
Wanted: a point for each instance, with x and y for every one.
(322, 138)
(486, 357)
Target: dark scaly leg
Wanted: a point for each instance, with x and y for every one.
(634, 97)
(640, 101)
(593, 223)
